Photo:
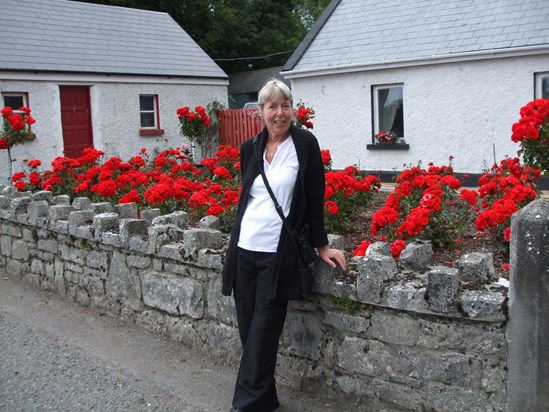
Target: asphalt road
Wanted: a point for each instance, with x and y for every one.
(57, 356)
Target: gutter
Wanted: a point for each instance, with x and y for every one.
(419, 61)
(85, 78)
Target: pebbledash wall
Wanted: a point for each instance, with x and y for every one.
(406, 336)
(114, 110)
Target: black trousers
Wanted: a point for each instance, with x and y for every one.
(260, 323)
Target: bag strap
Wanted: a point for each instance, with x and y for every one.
(291, 231)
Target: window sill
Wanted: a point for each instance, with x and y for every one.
(151, 132)
(395, 146)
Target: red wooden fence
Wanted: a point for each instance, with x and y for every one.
(238, 125)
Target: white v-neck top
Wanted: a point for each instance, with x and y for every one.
(261, 224)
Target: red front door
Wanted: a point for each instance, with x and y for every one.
(75, 119)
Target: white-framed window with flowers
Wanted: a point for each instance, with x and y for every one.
(149, 115)
(388, 109)
(541, 85)
(15, 100)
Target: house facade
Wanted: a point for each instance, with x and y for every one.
(100, 76)
(447, 78)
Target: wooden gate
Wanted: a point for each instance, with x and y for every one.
(238, 125)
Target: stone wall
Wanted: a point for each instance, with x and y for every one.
(404, 336)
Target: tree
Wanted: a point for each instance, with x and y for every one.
(239, 34)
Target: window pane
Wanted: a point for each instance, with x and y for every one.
(147, 119)
(545, 87)
(391, 110)
(15, 102)
(146, 102)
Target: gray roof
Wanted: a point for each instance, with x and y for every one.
(68, 36)
(368, 31)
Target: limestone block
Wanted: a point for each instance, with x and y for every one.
(64, 200)
(407, 296)
(5, 245)
(81, 203)
(373, 271)
(476, 303)
(138, 245)
(79, 218)
(402, 396)
(60, 212)
(12, 230)
(149, 214)
(71, 254)
(379, 248)
(9, 191)
(398, 328)
(121, 284)
(450, 399)
(442, 287)
(220, 307)
(111, 239)
(343, 321)
(209, 222)
(19, 206)
(303, 335)
(475, 266)
(178, 219)
(448, 368)
(5, 202)
(172, 251)
(362, 356)
(19, 250)
(196, 239)
(175, 295)
(61, 226)
(38, 209)
(132, 227)
(336, 241)
(84, 232)
(126, 210)
(206, 258)
(323, 278)
(42, 195)
(105, 222)
(97, 259)
(140, 262)
(102, 207)
(160, 235)
(417, 255)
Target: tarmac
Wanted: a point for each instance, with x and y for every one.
(58, 356)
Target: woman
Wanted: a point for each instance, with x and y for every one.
(261, 267)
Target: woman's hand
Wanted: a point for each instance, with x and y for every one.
(332, 256)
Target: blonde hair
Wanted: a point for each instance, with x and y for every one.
(272, 90)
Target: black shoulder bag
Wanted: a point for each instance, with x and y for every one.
(306, 254)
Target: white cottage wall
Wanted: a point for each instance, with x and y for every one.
(45, 107)
(458, 109)
(115, 118)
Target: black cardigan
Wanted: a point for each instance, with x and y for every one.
(307, 208)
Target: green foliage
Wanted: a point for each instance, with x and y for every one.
(349, 305)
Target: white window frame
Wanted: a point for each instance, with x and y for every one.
(375, 103)
(155, 112)
(538, 83)
(24, 95)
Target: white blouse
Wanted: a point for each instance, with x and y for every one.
(261, 224)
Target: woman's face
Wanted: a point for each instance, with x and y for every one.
(277, 115)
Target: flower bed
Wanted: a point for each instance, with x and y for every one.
(427, 203)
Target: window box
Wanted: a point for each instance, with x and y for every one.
(151, 132)
(394, 146)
